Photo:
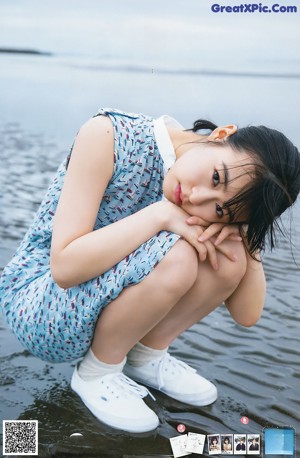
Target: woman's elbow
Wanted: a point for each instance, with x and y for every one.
(59, 274)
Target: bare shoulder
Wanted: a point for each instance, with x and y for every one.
(97, 126)
(95, 139)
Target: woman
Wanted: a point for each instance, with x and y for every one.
(145, 229)
(226, 447)
(214, 444)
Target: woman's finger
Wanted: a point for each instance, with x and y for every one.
(202, 251)
(226, 231)
(234, 238)
(212, 254)
(193, 220)
(200, 247)
(212, 230)
(196, 220)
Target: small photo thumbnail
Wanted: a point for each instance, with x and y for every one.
(195, 443)
(239, 444)
(253, 444)
(214, 444)
(178, 445)
(227, 444)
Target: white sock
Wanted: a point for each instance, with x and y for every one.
(140, 355)
(91, 367)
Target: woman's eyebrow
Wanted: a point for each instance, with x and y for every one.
(225, 183)
(226, 175)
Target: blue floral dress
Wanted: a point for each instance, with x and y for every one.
(58, 324)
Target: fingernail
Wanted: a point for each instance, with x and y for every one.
(234, 258)
(201, 238)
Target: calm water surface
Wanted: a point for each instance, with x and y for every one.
(44, 100)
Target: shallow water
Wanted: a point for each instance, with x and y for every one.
(44, 100)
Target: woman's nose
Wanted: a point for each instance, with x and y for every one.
(201, 195)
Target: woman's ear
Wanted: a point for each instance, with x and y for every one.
(220, 134)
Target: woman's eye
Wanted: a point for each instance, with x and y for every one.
(216, 178)
(219, 211)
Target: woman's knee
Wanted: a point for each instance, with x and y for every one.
(232, 272)
(178, 270)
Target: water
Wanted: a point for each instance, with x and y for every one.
(154, 57)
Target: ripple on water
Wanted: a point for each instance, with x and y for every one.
(28, 162)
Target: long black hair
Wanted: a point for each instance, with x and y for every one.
(275, 184)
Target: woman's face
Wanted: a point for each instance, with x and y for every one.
(204, 178)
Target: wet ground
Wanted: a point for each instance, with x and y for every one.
(44, 99)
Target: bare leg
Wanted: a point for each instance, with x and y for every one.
(208, 292)
(175, 295)
(141, 307)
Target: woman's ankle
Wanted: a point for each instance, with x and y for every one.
(91, 367)
(141, 354)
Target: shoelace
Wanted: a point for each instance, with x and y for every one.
(131, 386)
(171, 362)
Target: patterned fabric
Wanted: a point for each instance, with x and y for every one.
(56, 324)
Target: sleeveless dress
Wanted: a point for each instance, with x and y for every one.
(58, 324)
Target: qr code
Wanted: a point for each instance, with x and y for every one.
(20, 437)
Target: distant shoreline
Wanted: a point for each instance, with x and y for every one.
(25, 51)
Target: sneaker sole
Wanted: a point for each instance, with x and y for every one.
(133, 427)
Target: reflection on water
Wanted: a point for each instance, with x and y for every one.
(257, 370)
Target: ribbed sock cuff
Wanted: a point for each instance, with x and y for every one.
(140, 355)
(91, 367)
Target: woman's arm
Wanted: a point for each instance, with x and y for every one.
(78, 253)
(246, 303)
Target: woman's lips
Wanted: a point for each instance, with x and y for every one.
(178, 194)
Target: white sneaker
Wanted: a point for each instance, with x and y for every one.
(117, 401)
(176, 379)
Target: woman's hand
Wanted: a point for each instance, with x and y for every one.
(192, 229)
(214, 235)
(224, 231)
